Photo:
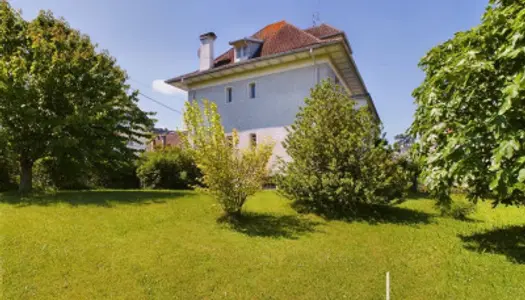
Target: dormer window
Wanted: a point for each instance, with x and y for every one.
(242, 52)
(245, 48)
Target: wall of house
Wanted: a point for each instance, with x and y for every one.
(277, 101)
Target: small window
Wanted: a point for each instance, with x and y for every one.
(253, 140)
(251, 90)
(229, 95)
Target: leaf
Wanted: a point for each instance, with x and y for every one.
(521, 175)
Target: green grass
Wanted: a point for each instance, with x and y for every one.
(162, 244)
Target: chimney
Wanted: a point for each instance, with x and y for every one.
(206, 51)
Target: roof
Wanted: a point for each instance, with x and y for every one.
(283, 39)
(279, 37)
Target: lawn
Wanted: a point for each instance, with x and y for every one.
(166, 244)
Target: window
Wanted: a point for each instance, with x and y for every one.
(229, 94)
(253, 139)
(251, 90)
(241, 52)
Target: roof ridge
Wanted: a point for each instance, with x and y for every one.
(266, 29)
(316, 38)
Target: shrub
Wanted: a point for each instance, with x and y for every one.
(458, 210)
(63, 173)
(168, 168)
(229, 174)
(118, 175)
(338, 157)
(69, 173)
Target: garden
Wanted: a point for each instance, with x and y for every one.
(82, 215)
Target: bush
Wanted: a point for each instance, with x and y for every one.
(229, 174)
(458, 210)
(338, 157)
(64, 173)
(69, 173)
(168, 168)
(120, 176)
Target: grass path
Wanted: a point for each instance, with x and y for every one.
(165, 244)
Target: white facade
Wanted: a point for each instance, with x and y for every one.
(278, 96)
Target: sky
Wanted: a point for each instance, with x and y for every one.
(158, 39)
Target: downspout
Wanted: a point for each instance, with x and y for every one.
(316, 72)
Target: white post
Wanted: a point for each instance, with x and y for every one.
(387, 285)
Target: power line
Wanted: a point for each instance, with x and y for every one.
(154, 100)
(141, 83)
(160, 103)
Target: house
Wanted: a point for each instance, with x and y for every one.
(163, 138)
(262, 80)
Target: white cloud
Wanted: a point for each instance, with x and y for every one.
(160, 86)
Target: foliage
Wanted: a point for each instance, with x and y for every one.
(67, 173)
(168, 168)
(122, 175)
(59, 95)
(230, 174)
(407, 157)
(459, 210)
(470, 110)
(7, 165)
(403, 143)
(338, 158)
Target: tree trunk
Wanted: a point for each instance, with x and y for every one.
(26, 176)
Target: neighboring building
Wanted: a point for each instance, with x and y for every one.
(163, 138)
(260, 83)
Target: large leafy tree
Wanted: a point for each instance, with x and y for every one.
(338, 158)
(471, 114)
(59, 95)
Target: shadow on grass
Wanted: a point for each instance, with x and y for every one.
(509, 241)
(98, 198)
(268, 225)
(373, 214)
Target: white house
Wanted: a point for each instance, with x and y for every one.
(260, 83)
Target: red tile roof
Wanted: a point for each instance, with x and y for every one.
(281, 37)
(323, 30)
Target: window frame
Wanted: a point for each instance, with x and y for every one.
(250, 85)
(253, 139)
(228, 93)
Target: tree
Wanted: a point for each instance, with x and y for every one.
(338, 157)
(229, 174)
(7, 165)
(403, 142)
(470, 110)
(59, 95)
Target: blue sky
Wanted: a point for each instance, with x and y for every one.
(158, 39)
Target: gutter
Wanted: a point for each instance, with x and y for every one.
(315, 64)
